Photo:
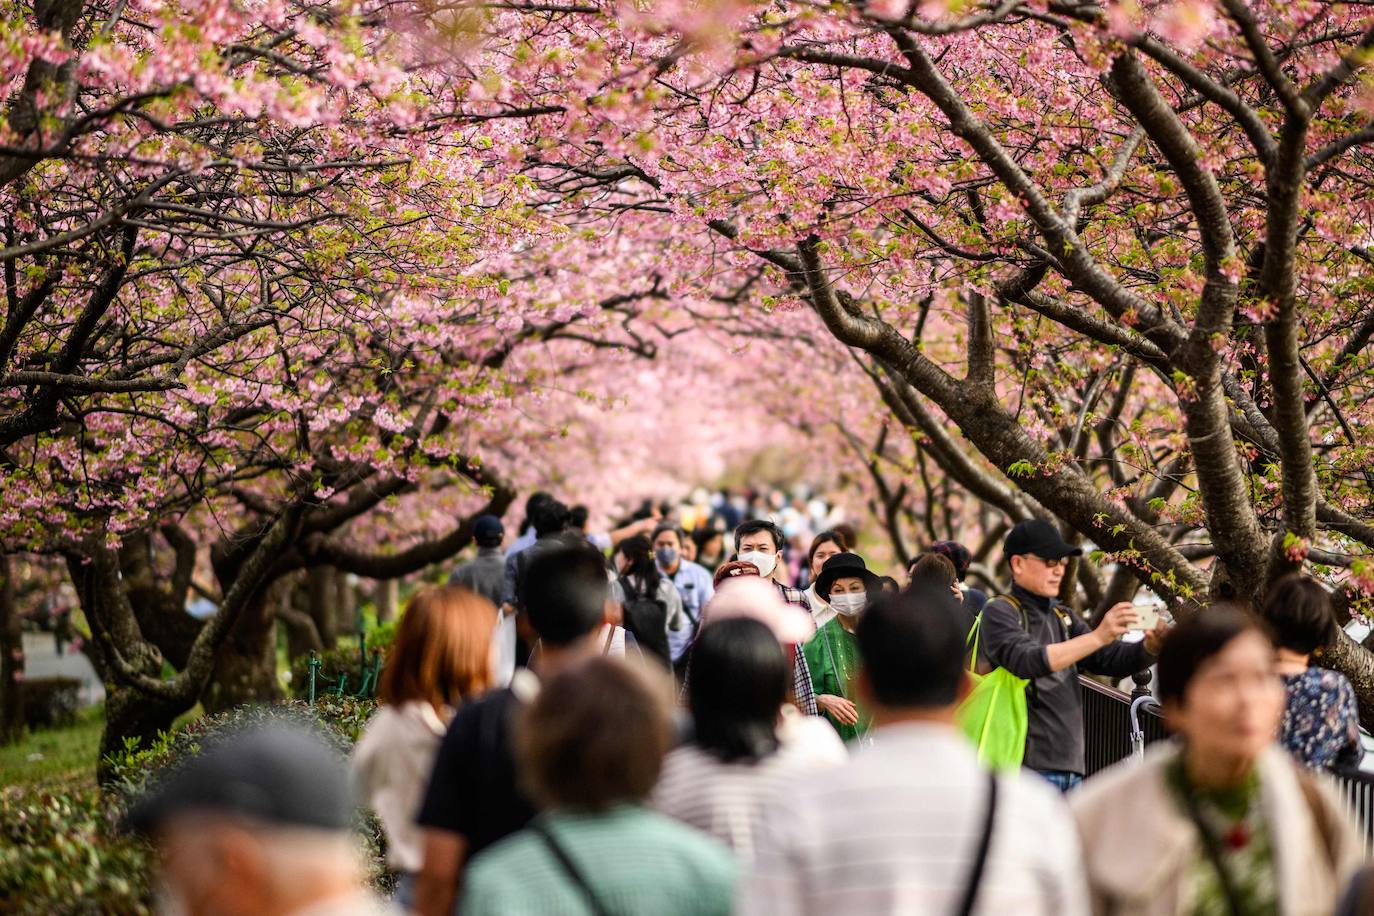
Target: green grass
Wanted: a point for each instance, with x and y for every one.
(54, 756)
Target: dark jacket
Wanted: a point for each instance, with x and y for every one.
(518, 562)
(1054, 739)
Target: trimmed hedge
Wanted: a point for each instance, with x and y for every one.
(49, 701)
(63, 852)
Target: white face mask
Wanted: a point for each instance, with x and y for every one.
(849, 603)
(764, 561)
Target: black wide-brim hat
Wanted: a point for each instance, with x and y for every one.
(844, 566)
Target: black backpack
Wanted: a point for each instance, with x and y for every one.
(646, 618)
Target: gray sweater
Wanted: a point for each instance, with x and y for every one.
(1054, 738)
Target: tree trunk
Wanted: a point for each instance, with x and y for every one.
(11, 656)
(385, 597)
(323, 598)
(246, 667)
(345, 603)
(131, 715)
(293, 610)
(1357, 664)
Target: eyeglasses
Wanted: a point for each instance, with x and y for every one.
(1049, 564)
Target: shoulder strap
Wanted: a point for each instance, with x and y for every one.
(610, 637)
(1016, 606)
(569, 868)
(974, 635)
(1060, 615)
(980, 859)
(834, 664)
(1212, 847)
(1321, 815)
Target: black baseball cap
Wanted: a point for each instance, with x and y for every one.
(1040, 538)
(488, 529)
(277, 773)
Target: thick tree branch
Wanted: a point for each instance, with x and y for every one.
(324, 551)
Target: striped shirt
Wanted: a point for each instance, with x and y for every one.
(727, 800)
(636, 862)
(895, 832)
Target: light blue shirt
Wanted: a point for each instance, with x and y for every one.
(523, 542)
(696, 586)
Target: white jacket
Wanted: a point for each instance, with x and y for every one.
(391, 764)
(1139, 845)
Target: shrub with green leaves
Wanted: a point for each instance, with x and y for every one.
(338, 719)
(63, 853)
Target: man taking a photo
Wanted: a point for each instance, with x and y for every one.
(1034, 636)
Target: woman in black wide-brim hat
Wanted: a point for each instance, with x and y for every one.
(846, 584)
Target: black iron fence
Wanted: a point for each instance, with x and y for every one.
(1109, 733)
(1117, 725)
(341, 684)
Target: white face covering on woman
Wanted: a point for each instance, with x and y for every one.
(849, 604)
(764, 561)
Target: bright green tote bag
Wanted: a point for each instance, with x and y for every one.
(994, 713)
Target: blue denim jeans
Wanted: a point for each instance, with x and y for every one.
(1062, 780)
(404, 895)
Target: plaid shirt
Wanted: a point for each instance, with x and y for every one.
(802, 689)
(803, 692)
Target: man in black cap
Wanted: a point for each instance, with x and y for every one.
(1032, 635)
(485, 574)
(257, 824)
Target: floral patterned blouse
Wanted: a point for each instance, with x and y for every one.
(1321, 726)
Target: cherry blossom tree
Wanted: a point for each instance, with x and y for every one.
(246, 307)
(1108, 262)
(294, 285)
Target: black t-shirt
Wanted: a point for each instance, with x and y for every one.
(473, 789)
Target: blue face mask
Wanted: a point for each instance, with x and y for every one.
(666, 556)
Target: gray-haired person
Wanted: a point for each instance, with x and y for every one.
(258, 824)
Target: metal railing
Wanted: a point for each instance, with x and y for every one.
(1356, 789)
(1117, 725)
(370, 667)
(1109, 733)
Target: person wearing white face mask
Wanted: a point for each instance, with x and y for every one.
(846, 583)
(759, 542)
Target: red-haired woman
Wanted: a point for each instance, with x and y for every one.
(442, 656)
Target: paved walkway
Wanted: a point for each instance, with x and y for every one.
(41, 660)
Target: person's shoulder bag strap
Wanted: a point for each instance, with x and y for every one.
(1321, 817)
(1032, 693)
(1212, 847)
(980, 858)
(1015, 606)
(570, 868)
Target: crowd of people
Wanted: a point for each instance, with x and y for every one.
(598, 724)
